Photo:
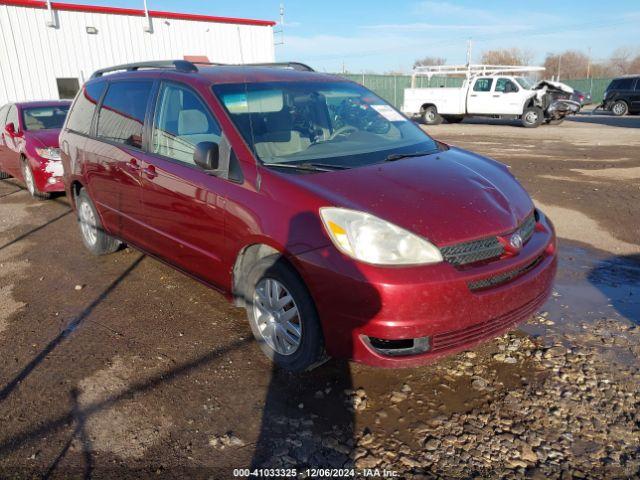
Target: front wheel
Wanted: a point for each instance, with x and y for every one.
(282, 316)
(620, 108)
(30, 182)
(532, 117)
(430, 116)
(94, 237)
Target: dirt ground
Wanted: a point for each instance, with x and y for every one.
(120, 367)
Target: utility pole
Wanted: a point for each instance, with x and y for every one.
(281, 30)
(559, 64)
(588, 61)
(468, 52)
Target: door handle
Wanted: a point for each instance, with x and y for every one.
(150, 172)
(496, 96)
(473, 95)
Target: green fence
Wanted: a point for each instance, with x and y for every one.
(391, 87)
(594, 86)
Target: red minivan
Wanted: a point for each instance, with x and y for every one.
(341, 226)
(29, 145)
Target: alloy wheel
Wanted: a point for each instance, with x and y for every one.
(276, 316)
(88, 223)
(28, 179)
(619, 109)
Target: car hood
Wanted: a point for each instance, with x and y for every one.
(447, 197)
(44, 138)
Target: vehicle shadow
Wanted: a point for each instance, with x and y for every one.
(602, 118)
(308, 420)
(618, 278)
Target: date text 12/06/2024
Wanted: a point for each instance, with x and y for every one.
(314, 473)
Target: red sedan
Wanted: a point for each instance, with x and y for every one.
(29, 145)
(340, 225)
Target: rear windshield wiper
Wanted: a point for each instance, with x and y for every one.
(399, 156)
(312, 167)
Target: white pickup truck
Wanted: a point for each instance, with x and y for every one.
(493, 95)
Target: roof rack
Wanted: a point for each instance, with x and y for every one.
(291, 65)
(192, 67)
(179, 65)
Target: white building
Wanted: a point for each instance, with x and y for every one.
(47, 54)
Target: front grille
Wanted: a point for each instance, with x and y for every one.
(503, 277)
(484, 248)
(527, 228)
(474, 251)
(486, 329)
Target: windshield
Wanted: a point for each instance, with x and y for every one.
(340, 123)
(524, 82)
(43, 118)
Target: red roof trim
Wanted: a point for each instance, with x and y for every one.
(72, 7)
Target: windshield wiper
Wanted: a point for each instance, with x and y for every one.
(399, 156)
(312, 167)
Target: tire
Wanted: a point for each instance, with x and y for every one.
(30, 182)
(4, 176)
(532, 117)
(95, 239)
(430, 116)
(453, 118)
(620, 108)
(287, 353)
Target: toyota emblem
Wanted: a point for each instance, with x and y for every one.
(515, 241)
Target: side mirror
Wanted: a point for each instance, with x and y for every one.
(207, 156)
(10, 129)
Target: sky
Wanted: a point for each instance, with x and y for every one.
(382, 36)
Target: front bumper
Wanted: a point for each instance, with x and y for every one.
(48, 175)
(358, 302)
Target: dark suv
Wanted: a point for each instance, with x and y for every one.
(340, 225)
(622, 96)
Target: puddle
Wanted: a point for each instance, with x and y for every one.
(593, 285)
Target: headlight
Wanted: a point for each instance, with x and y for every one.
(372, 240)
(49, 153)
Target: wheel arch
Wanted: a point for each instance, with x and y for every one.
(427, 105)
(74, 188)
(246, 258)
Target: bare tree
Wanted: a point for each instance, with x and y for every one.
(634, 65)
(568, 65)
(507, 56)
(429, 61)
(622, 60)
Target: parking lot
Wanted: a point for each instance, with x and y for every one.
(119, 366)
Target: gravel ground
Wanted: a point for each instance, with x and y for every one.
(120, 367)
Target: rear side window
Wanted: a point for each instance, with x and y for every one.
(181, 122)
(624, 84)
(121, 116)
(483, 85)
(84, 108)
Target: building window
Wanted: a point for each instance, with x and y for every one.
(67, 87)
